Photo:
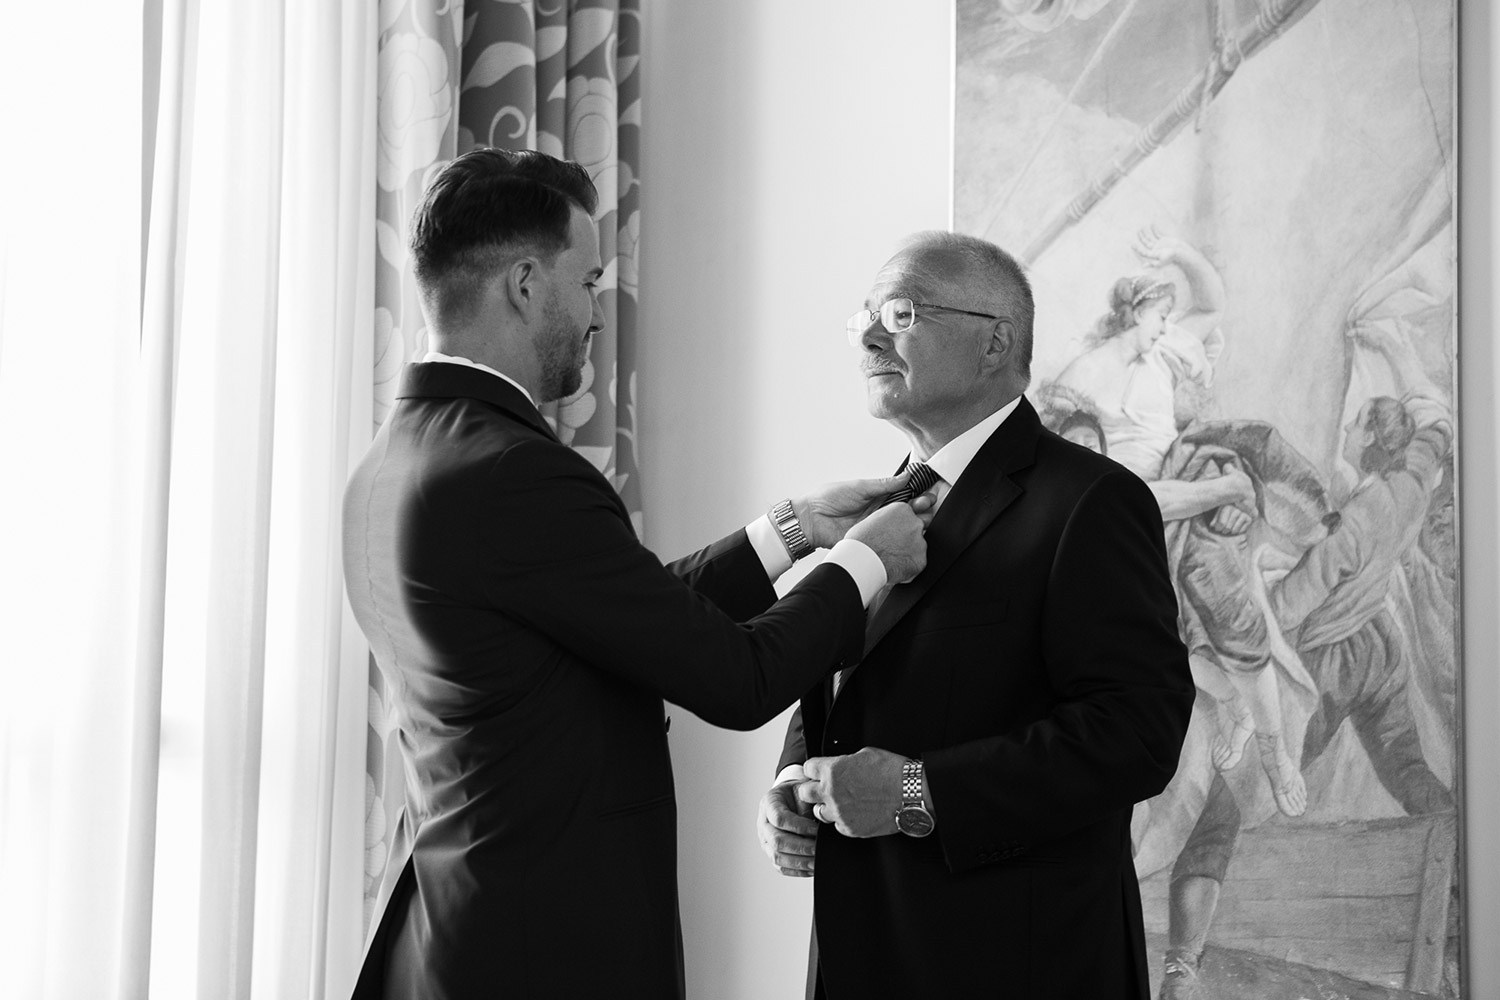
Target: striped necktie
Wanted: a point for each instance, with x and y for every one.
(919, 479)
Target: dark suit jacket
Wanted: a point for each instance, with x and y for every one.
(1035, 667)
(528, 639)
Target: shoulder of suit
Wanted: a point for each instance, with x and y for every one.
(1079, 470)
(536, 456)
(1059, 449)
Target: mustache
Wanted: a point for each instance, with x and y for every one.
(879, 366)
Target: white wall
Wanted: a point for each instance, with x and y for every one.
(786, 146)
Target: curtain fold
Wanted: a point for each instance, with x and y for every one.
(180, 803)
(164, 191)
(562, 78)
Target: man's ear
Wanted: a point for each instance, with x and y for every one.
(523, 285)
(1001, 346)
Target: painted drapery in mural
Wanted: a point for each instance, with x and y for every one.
(1238, 220)
(560, 77)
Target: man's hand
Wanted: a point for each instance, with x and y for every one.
(831, 510)
(894, 533)
(1230, 521)
(1157, 250)
(1380, 337)
(1237, 488)
(859, 794)
(1235, 516)
(787, 832)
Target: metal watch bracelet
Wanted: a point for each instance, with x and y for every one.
(790, 530)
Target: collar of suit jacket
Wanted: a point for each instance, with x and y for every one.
(1013, 445)
(1006, 447)
(441, 380)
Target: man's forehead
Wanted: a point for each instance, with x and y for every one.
(898, 279)
(585, 236)
(582, 222)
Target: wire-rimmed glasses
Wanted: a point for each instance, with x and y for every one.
(896, 316)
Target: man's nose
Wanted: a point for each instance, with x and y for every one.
(876, 338)
(596, 321)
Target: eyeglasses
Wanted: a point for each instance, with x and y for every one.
(896, 316)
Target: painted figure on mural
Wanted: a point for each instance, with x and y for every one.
(1150, 359)
(1332, 603)
(1148, 372)
(1330, 606)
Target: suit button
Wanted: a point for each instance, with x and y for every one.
(835, 742)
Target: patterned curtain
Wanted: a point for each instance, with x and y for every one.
(561, 77)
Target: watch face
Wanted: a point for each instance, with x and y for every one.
(914, 821)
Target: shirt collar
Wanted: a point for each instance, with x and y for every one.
(449, 359)
(953, 458)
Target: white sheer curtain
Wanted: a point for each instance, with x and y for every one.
(185, 357)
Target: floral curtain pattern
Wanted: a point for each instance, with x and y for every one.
(560, 77)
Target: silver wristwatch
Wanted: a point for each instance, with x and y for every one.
(912, 818)
(790, 530)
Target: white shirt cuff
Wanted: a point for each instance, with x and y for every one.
(792, 772)
(857, 558)
(768, 545)
(863, 564)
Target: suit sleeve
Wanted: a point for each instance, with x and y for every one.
(794, 744)
(730, 574)
(558, 557)
(1123, 691)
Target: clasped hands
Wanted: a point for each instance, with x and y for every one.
(858, 794)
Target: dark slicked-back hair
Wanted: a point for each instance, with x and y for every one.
(485, 209)
(988, 275)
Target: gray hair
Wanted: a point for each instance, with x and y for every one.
(982, 272)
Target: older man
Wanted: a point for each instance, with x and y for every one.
(963, 794)
(528, 638)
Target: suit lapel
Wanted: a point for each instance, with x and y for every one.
(982, 492)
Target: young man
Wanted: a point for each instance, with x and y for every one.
(529, 639)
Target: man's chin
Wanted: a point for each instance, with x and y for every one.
(552, 392)
(883, 395)
(570, 386)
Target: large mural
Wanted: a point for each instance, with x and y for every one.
(1238, 219)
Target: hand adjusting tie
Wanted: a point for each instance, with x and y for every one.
(919, 479)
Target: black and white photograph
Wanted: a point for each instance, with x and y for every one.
(749, 500)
